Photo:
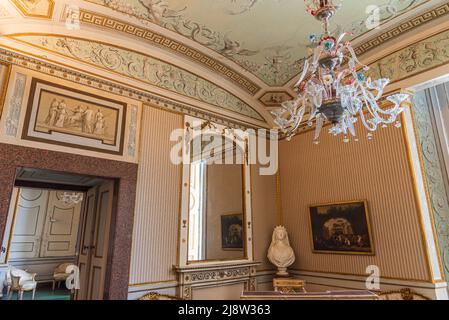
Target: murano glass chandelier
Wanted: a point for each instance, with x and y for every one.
(333, 87)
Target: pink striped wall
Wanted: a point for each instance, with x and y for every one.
(333, 171)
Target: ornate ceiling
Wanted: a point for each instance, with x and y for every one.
(236, 56)
(266, 38)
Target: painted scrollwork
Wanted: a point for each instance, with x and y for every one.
(15, 105)
(132, 139)
(144, 68)
(382, 14)
(159, 12)
(416, 58)
(242, 6)
(433, 173)
(262, 61)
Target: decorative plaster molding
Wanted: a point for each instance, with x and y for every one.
(96, 19)
(15, 105)
(202, 276)
(36, 8)
(419, 57)
(275, 98)
(406, 26)
(434, 177)
(140, 67)
(205, 275)
(111, 86)
(132, 135)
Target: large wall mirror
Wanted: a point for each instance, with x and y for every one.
(216, 211)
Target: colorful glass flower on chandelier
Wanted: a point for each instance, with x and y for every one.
(329, 91)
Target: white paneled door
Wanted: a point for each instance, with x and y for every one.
(28, 223)
(61, 227)
(44, 226)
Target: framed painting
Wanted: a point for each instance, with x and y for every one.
(232, 232)
(67, 117)
(342, 228)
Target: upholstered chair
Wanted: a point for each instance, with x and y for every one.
(60, 275)
(21, 281)
(7, 281)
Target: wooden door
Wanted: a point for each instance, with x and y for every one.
(27, 227)
(86, 242)
(61, 227)
(94, 242)
(99, 251)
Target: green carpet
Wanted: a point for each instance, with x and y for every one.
(43, 293)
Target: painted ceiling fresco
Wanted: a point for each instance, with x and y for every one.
(269, 38)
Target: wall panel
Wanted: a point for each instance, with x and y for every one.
(265, 215)
(154, 247)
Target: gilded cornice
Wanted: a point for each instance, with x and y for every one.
(141, 67)
(157, 39)
(404, 27)
(31, 8)
(8, 55)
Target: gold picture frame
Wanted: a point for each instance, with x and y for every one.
(341, 228)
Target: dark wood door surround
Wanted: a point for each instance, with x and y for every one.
(125, 174)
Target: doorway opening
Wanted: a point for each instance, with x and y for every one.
(57, 238)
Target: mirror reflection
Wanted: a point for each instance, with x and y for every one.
(217, 214)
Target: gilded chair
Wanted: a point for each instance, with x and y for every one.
(403, 294)
(158, 296)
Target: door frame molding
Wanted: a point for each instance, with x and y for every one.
(125, 176)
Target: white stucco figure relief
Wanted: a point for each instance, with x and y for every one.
(280, 253)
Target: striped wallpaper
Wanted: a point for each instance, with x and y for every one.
(154, 249)
(376, 171)
(265, 214)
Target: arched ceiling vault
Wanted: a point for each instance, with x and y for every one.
(235, 57)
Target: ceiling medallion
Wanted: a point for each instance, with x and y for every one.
(333, 92)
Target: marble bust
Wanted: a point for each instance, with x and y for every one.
(280, 253)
